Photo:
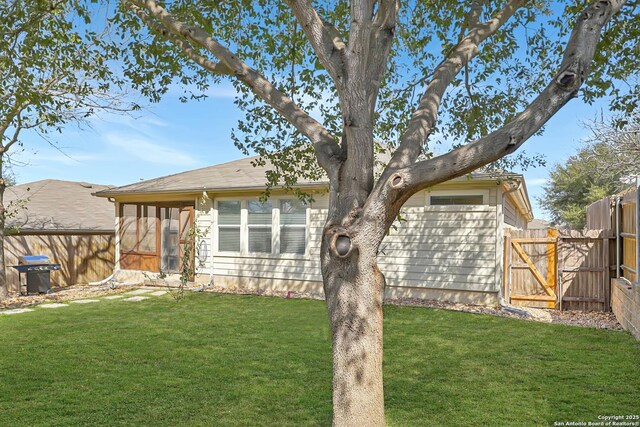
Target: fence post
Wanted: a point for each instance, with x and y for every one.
(507, 266)
(552, 264)
(607, 270)
(637, 268)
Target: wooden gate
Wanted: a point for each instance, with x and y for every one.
(553, 269)
(531, 267)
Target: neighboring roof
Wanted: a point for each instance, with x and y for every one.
(235, 175)
(538, 224)
(53, 205)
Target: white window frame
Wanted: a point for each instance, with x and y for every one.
(244, 230)
(454, 192)
(217, 224)
(305, 226)
(247, 227)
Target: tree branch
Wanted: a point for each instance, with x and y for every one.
(359, 37)
(324, 38)
(574, 69)
(327, 150)
(186, 47)
(382, 34)
(424, 118)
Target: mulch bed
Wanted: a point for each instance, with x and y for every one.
(594, 319)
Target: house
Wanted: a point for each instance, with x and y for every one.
(448, 247)
(60, 219)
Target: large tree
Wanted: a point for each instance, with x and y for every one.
(333, 77)
(53, 71)
(606, 163)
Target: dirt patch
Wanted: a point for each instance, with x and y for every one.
(592, 319)
(59, 295)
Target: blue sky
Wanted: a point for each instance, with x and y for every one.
(172, 137)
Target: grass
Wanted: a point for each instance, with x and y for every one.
(255, 361)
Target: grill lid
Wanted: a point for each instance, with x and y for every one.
(33, 260)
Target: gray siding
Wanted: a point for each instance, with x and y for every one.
(512, 215)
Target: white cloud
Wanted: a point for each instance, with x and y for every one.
(220, 90)
(536, 182)
(147, 151)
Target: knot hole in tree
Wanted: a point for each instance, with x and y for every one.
(342, 245)
(397, 181)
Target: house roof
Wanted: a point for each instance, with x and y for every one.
(240, 175)
(52, 205)
(234, 175)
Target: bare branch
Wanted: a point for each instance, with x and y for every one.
(424, 118)
(324, 38)
(327, 150)
(186, 47)
(572, 73)
(5, 147)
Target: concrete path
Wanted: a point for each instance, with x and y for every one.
(136, 295)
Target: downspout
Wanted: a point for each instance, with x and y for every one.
(504, 304)
(205, 196)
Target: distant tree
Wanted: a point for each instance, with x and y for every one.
(580, 181)
(51, 73)
(330, 77)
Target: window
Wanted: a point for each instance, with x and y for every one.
(170, 251)
(229, 226)
(259, 221)
(472, 199)
(138, 229)
(147, 229)
(129, 233)
(249, 226)
(293, 226)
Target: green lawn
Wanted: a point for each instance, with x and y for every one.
(220, 360)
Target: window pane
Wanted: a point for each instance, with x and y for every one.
(456, 200)
(292, 240)
(293, 212)
(229, 212)
(169, 239)
(259, 213)
(148, 229)
(229, 239)
(128, 233)
(260, 239)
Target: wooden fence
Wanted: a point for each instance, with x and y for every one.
(83, 258)
(602, 214)
(563, 269)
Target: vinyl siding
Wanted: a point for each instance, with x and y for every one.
(512, 215)
(435, 247)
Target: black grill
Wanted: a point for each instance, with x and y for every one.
(38, 269)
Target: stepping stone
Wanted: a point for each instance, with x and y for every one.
(114, 297)
(135, 299)
(54, 305)
(85, 301)
(16, 311)
(158, 293)
(139, 292)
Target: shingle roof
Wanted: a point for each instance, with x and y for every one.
(235, 175)
(51, 204)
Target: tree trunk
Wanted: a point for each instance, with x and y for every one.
(354, 288)
(4, 291)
